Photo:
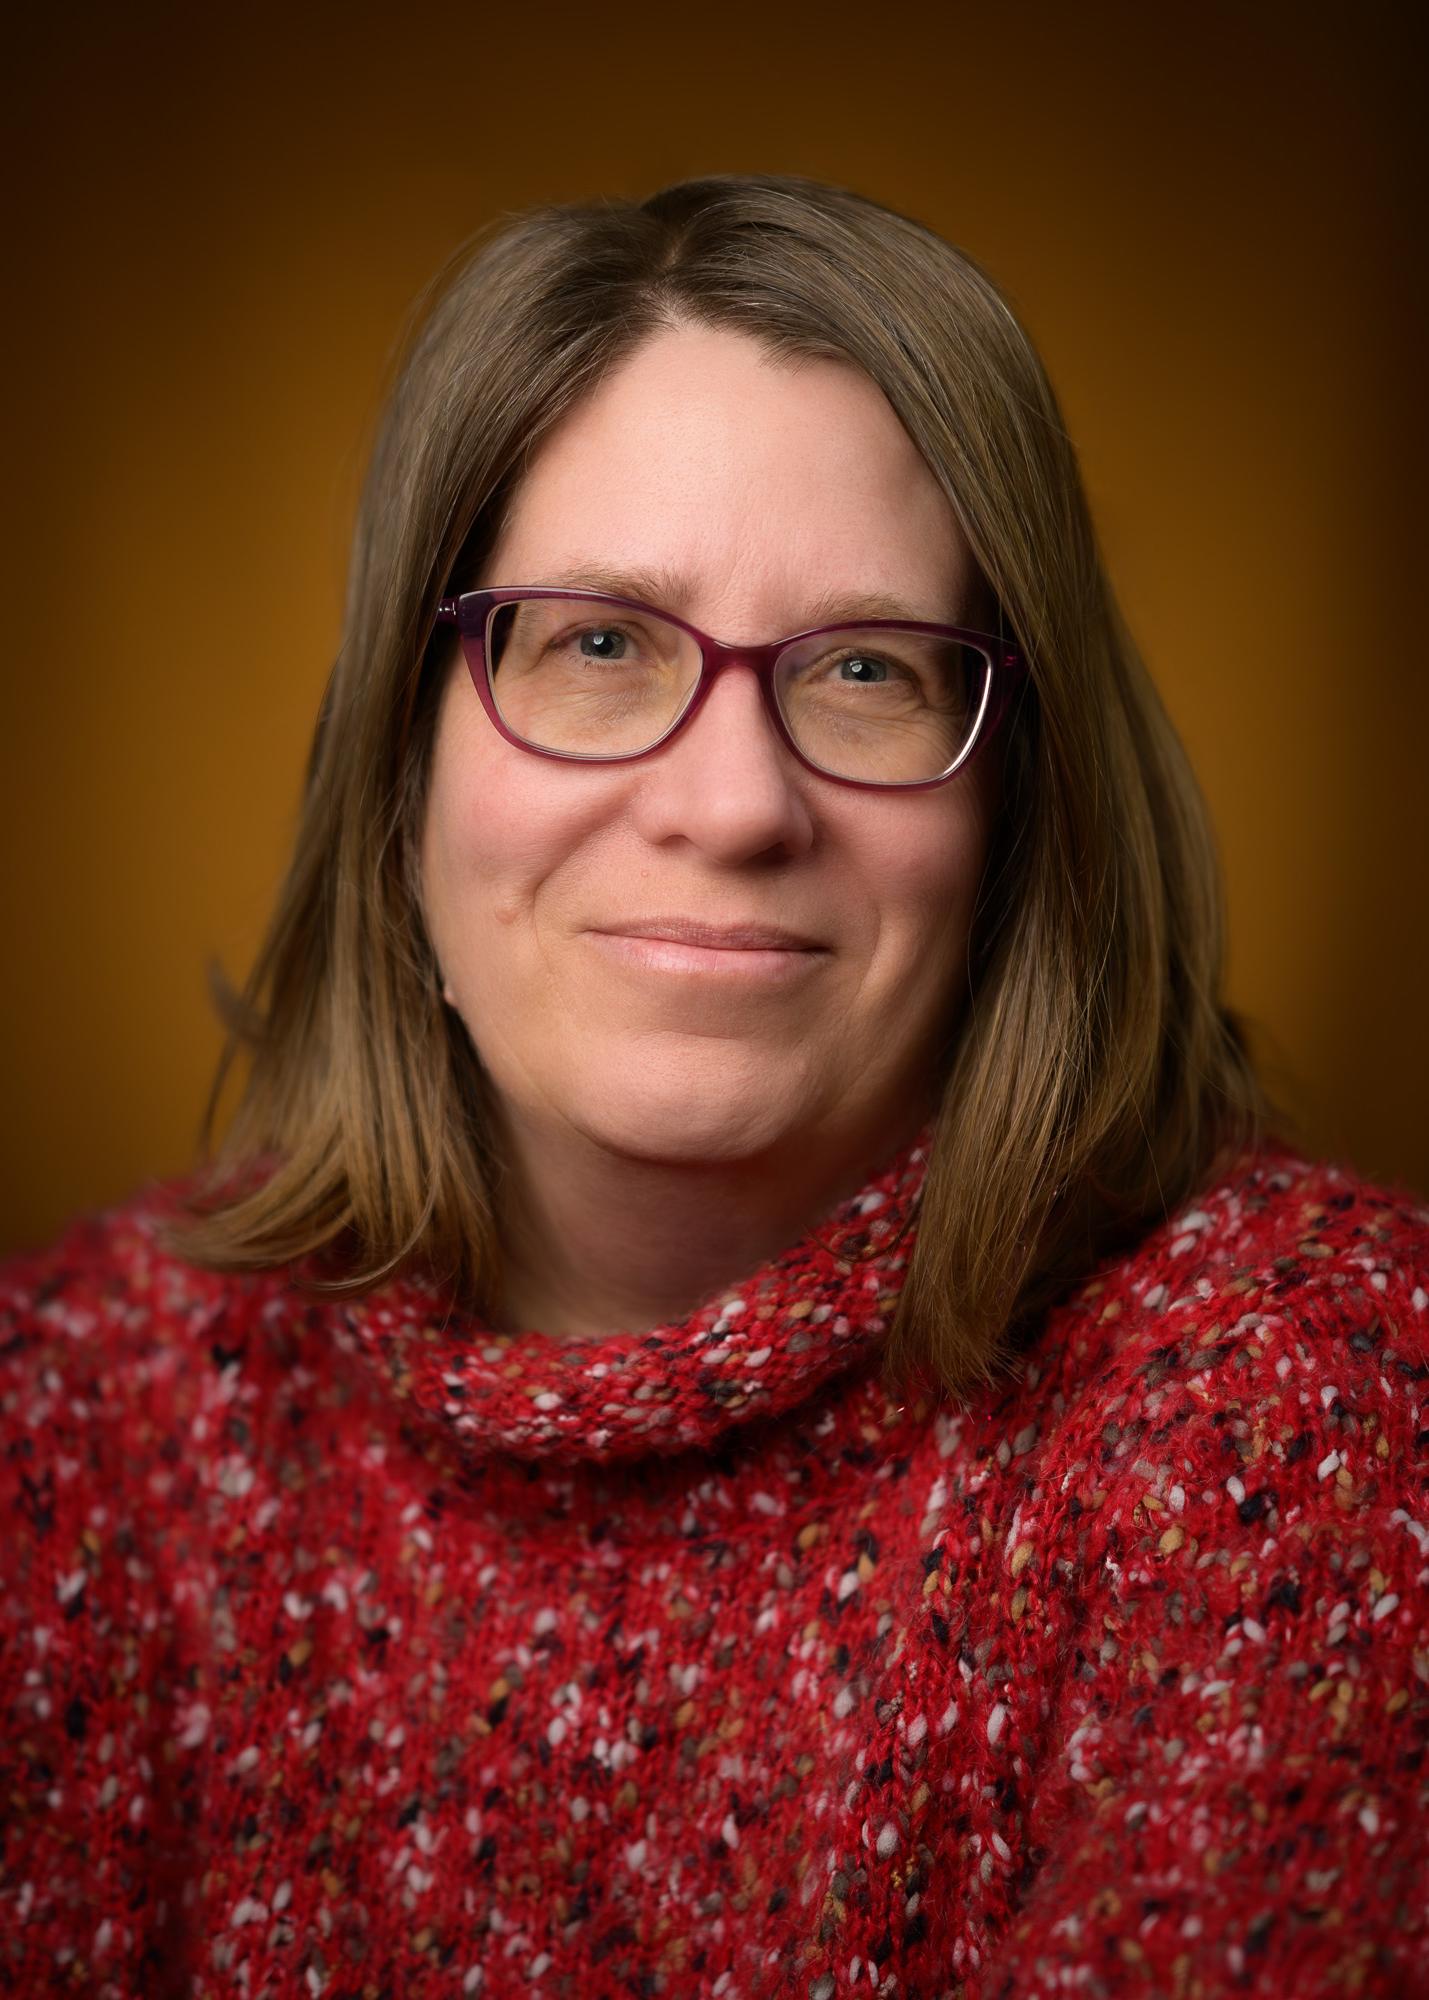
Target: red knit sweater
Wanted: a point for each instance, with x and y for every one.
(353, 1650)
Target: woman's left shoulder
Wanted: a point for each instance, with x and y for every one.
(1306, 1216)
(1278, 1252)
(1218, 1454)
(1280, 1319)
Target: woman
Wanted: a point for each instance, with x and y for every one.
(747, 1406)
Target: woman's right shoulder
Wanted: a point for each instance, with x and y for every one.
(114, 1388)
(103, 1316)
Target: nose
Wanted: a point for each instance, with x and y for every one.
(726, 782)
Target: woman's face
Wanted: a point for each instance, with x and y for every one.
(759, 486)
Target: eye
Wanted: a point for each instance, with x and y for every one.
(863, 670)
(603, 642)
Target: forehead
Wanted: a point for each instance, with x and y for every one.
(670, 589)
(705, 476)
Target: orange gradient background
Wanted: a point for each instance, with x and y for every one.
(222, 226)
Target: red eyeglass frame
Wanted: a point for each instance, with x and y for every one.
(471, 614)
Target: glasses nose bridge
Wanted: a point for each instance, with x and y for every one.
(716, 658)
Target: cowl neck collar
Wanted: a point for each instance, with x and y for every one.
(755, 1350)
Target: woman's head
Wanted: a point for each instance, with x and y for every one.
(778, 392)
(752, 495)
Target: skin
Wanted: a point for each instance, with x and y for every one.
(675, 1115)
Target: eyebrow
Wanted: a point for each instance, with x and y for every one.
(664, 589)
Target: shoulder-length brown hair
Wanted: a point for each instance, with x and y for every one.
(1094, 1079)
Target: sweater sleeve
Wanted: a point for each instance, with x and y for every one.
(91, 1823)
(1233, 1798)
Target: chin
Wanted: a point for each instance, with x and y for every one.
(695, 1114)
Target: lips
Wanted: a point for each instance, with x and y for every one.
(712, 937)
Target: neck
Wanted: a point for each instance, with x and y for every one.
(600, 1241)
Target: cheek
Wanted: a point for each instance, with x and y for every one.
(498, 828)
(472, 839)
(922, 860)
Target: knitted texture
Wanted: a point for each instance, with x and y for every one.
(351, 1650)
(751, 1352)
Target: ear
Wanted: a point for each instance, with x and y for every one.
(448, 995)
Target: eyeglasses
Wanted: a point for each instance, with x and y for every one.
(577, 675)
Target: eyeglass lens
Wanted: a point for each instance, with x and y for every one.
(882, 704)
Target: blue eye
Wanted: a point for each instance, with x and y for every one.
(605, 637)
(862, 670)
